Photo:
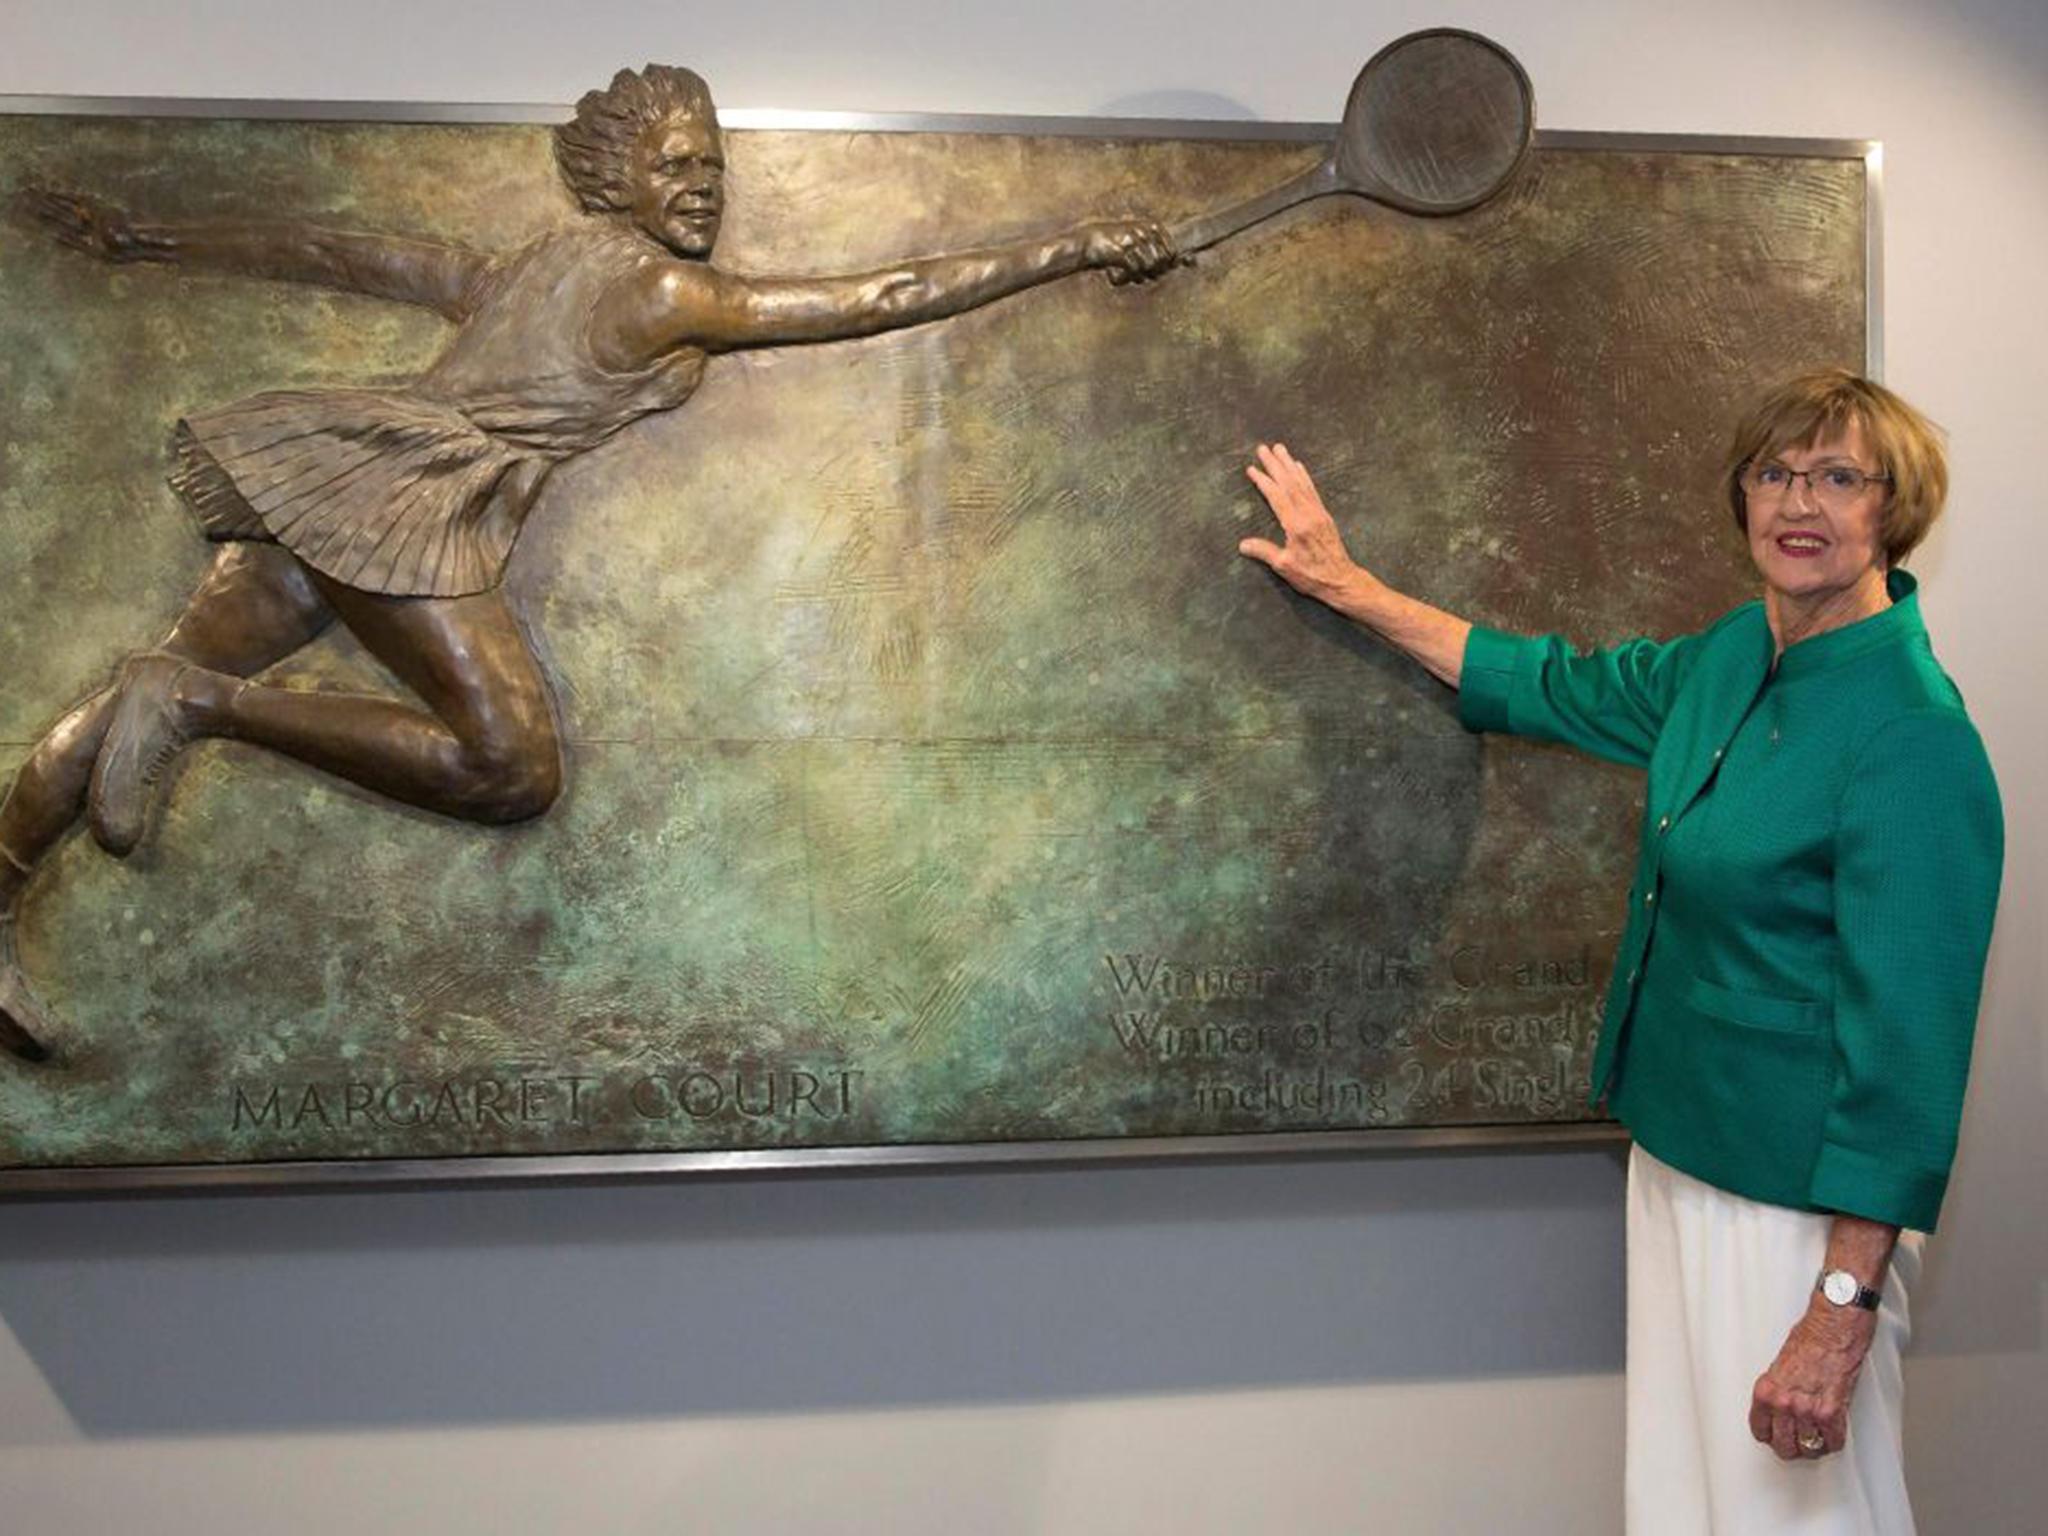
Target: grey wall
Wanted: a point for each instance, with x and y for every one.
(1414, 1344)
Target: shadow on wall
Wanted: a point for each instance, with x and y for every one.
(488, 1306)
(1986, 1272)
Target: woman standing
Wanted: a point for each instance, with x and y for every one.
(1789, 1027)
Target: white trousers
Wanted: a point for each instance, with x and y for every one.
(1715, 1282)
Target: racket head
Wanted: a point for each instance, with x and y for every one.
(1437, 122)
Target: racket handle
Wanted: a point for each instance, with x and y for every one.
(1200, 233)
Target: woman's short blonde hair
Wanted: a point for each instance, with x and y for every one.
(1907, 446)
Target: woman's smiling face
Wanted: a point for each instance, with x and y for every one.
(1812, 544)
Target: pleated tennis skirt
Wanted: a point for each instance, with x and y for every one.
(381, 490)
(1715, 1282)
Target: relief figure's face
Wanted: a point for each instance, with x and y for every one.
(677, 173)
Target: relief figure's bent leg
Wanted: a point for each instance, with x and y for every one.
(485, 747)
(254, 606)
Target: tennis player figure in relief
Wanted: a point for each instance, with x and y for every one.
(393, 511)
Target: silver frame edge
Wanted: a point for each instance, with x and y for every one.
(753, 118)
(340, 1174)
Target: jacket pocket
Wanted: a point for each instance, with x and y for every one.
(1754, 1010)
(1730, 1099)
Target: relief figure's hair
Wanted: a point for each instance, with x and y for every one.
(592, 149)
(1826, 401)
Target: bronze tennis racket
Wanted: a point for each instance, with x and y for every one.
(1437, 122)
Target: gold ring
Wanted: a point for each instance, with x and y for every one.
(1812, 1443)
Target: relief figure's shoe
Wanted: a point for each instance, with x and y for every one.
(147, 731)
(22, 1023)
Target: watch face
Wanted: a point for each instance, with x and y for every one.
(1839, 1286)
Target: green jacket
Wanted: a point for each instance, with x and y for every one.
(1796, 990)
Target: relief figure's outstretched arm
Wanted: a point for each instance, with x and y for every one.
(443, 278)
(691, 304)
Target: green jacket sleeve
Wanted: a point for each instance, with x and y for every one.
(1919, 845)
(1610, 703)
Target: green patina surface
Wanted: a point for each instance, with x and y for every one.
(931, 750)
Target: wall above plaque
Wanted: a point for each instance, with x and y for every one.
(930, 778)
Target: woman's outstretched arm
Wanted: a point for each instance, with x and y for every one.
(1312, 559)
(439, 277)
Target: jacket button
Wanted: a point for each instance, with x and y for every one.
(1649, 898)
(1663, 823)
(1719, 753)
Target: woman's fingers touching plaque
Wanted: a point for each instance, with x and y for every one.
(1288, 490)
(1265, 551)
(1311, 556)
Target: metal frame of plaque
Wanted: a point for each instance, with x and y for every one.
(1465, 845)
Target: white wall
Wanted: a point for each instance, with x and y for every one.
(1407, 1345)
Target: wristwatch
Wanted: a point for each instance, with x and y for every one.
(1845, 1290)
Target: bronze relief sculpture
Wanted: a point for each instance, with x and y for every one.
(393, 511)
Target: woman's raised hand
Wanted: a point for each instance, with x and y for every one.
(1311, 558)
(91, 224)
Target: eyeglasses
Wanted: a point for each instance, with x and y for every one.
(1833, 485)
